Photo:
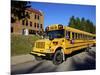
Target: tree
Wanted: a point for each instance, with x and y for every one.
(82, 24)
(18, 10)
(72, 22)
(78, 25)
(92, 28)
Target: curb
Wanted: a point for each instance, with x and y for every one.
(21, 59)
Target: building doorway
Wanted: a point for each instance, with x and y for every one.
(25, 31)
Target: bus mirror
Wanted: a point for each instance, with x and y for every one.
(42, 37)
(51, 38)
(47, 28)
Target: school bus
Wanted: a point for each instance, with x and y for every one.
(61, 41)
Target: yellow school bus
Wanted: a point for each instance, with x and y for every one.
(61, 41)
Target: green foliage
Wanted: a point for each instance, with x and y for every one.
(72, 22)
(21, 44)
(82, 24)
(18, 10)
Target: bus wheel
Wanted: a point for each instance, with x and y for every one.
(58, 57)
(87, 49)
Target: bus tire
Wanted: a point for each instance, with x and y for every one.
(58, 57)
(87, 49)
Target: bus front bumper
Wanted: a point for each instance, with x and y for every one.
(37, 54)
(44, 55)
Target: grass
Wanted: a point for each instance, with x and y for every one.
(21, 44)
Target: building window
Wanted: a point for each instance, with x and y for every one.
(26, 22)
(38, 17)
(27, 14)
(12, 30)
(35, 25)
(41, 25)
(30, 23)
(23, 22)
(35, 16)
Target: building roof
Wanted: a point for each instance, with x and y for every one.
(35, 11)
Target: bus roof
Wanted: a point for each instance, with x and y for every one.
(71, 29)
(77, 31)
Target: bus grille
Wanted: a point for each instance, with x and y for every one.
(40, 45)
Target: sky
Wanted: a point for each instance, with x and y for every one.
(57, 13)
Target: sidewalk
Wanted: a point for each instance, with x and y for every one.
(21, 59)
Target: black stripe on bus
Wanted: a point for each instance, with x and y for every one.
(81, 42)
(75, 46)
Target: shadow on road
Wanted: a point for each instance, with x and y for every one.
(88, 64)
(26, 71)
(78, 60)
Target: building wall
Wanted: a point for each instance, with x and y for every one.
(35, 23)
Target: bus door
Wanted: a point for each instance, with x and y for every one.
(68, 42)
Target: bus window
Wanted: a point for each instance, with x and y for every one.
(78, 36)
(89, 37)
(82, 36)
(73, 36)
(68, 34)
(94, 37)
(86, 37)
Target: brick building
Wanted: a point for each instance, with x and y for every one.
(32, 25)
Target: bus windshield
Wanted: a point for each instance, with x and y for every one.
(55, 34)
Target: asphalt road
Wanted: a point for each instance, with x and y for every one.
(78, 61)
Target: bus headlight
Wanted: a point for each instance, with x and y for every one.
(55, 43)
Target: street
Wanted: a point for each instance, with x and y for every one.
(80, 61)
